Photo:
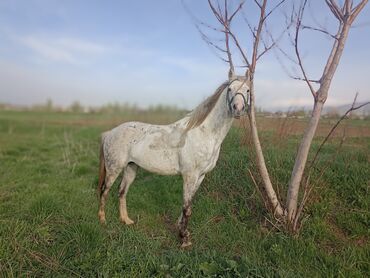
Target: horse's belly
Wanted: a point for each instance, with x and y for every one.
(210, 163)
(160, 161)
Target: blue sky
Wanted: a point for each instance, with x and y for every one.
(149, 52)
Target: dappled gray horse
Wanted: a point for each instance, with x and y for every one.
(189, 147)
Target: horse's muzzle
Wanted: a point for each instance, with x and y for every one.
(237, 114)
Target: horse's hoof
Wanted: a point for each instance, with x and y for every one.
(186, 244)
(127, 221)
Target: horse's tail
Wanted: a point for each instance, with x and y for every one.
(102, 171)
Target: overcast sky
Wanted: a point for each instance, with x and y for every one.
(149, 52)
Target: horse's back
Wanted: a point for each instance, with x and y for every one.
(158, 148)
(152, 147)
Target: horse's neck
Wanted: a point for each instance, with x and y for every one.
(219, 122)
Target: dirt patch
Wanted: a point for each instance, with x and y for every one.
(342, 236)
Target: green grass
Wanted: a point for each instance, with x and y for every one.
(48, 209)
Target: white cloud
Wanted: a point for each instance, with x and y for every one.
(79, 45)
(47, 50)
(65, 50)
(191, 65)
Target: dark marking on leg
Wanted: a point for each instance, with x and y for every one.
(183, 226)
(121, 192)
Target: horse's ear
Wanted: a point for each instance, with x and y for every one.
(231, 74)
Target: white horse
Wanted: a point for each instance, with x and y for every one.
(189, 147)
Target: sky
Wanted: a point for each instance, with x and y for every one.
(150, 52)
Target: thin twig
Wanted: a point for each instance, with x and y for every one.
(308, 188)
(319, 30)
(351, 109)
(303, 79)
(273, 9)
(333, 6)
(296, 39)
(257, 187)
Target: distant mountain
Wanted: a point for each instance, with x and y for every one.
(363, 111)
(338, 110)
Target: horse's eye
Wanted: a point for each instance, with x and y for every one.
(247, 91)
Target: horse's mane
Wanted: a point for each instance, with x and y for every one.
(200, 113)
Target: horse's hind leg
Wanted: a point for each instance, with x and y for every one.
(129, 174)
(109, 180)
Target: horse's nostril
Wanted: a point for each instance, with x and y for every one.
(234, 106)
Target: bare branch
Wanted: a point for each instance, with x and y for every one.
(226, 27)
(225, 21)
(351, 109)
(289, 21)
(357, 10)
(273, 9)
(239, 48)
(316, 21)
(208, 26)
(319, 30)
(254, 31)
(274, 42)
(333, 51)
(303, 79)
(258, 4)
(359, 107)
(236, 11)
(249, 25)
(257, 37)
(347, 7)
(216, 13)
(296, 39)
(286, 55)
(335, 9)
(219, 7)
(257, 187)
(209, 41)
(267, 48)
(308, 188)
(197, 21)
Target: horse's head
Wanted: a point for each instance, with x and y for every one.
(237, 95)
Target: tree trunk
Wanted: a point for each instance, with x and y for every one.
(320, 98)
(300, 162)
(272, 197)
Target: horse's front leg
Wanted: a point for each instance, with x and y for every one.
(190, 187)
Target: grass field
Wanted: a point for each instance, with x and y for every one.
(48, 207)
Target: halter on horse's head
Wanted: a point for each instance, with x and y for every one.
(237, 95)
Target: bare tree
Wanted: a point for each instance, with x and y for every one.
(249, 59)
(307, 186)
(345, 16)
(262, 42)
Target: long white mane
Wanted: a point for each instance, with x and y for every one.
(200, 113)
